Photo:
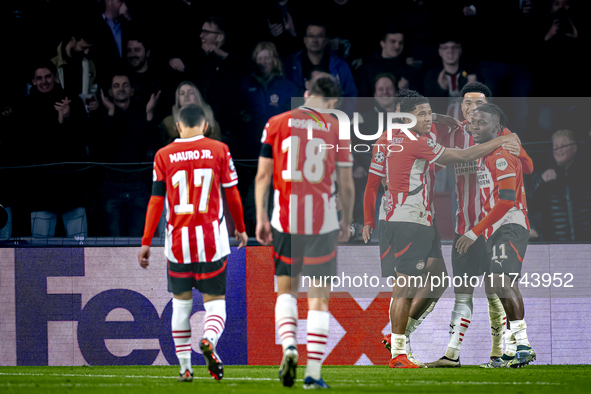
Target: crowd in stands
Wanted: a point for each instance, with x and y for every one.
(102, 81)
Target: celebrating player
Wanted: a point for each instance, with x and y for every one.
(409, 225)
(189, 173)
(505, 226)
(425, 300)
(475, 261)
(304, 228)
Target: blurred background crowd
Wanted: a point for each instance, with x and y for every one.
(91, 88)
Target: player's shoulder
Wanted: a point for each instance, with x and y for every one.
(501, 159)
(504, 131)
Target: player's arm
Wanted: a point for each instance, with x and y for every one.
(235, 206)
(505, 203)
(474, 152)
(369, 204)
(347, 199)
(527, 164)
(261, 194)
(155, 207)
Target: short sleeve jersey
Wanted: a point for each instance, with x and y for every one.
(492, 169)
(406, 176)
(304, 170)
(194, 170)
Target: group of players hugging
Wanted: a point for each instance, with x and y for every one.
(305, 228)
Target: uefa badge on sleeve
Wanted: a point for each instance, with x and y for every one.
(379, 157)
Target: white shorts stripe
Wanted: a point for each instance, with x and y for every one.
(308, 214)
(200, 243)
(186, 246)
(216, 237)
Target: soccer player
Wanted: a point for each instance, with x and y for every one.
(304, 228)
(504, 225)
(425, 300)
(188, 175)
(475, 262)
(409, 223)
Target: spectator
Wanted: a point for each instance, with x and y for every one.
(316, 54)
(76, 72)
(217, 73)
(448, 79)
(187, 93)
(145, 79)
(111, 30)
(127, 134)
(562, 194)
(389, 59)
(50, 135)
(267, 93)
(281, 29)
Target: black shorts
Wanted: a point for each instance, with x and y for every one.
(475, 262)
(386, 258)
(208, 278)
(410, 243)
(311, 255)
(435, 252)
(506, 248)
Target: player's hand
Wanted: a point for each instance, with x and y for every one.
(463, 244)
(108, 104)
(177, 64)
(511, 137)
(366, 232)
(263, 233)
(242, 238)
(144, 257)
(513, 147)
(549, 175)
(344, 231)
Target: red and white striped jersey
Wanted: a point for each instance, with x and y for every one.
(492, 169)
(406, 176)
(304, 170)
(378, 166)
(467, 193)
(194, 170)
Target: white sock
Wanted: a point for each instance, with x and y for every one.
(286, 319)
(498, 322)
(413, 324)
(215, 320)
(398, 344)
(518, 328)
(511, 343)
(181, 331)
(460, 320)
(318, 323)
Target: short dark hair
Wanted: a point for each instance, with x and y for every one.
(221, 23)
(476, 87)
(142, 39)
(119, 74)
(43, 64)
(390, 76)
(494, 109)
(316, 69)
(192, 115)
(327, 86)
(409, 99)
(393, 28)
(318, 23)
(80, 31)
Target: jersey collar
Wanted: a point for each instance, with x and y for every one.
(196, 138)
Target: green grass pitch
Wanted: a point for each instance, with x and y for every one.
(261, 380)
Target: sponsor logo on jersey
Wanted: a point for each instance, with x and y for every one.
(502, 164)
(377, 166)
